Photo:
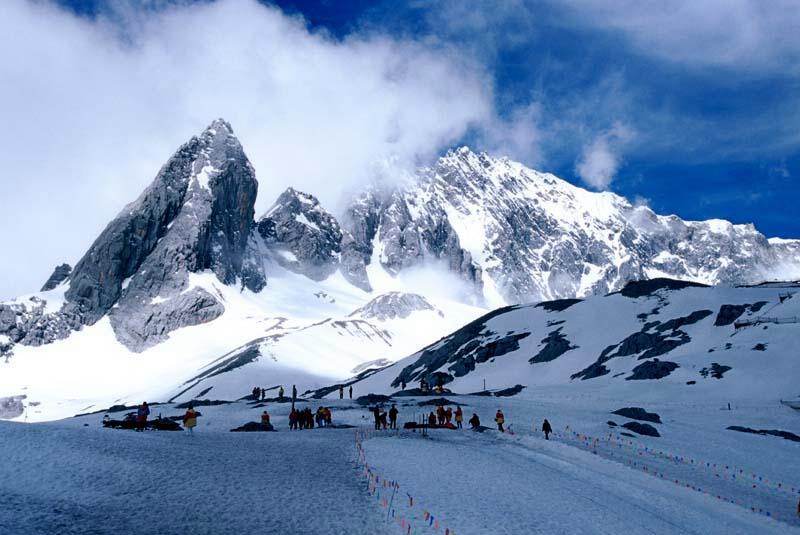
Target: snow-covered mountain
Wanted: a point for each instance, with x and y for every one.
(524, 236)
(186, 290)
(731, 343)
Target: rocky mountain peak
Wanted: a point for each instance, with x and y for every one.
(302, 236)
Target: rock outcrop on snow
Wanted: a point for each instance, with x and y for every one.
(60, 274)
(394, 305)
(303, 236)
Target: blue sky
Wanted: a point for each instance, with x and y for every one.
(691, 107)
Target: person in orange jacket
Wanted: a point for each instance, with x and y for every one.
(500, 419)
(190, 419)
(440, 414)
(459, 416)
(448, 415)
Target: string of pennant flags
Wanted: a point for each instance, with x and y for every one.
(401, 507)
(719, 470)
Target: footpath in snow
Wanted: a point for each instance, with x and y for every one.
(457, 483)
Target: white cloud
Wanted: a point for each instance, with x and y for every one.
(92, 109)
(749, 34)
(600, 159)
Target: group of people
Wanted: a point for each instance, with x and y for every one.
(260, 393)
(380, 416)
(341, 391)
(444, 416)
(306, 419)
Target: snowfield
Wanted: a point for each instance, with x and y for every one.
(74, 476)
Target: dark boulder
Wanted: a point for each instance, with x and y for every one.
(253, 427)
(652, 369)
(648, 287)
(642, 429)
(638, 413)
(373, 399)
(558, 305)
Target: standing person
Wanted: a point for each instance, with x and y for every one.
(448, 415)
(293, 419)
(141, 416)
(475, 422)
(328, 416)
(500, 419)
(351, 391)
(190, 419)
(377, 413)
(459, 416)
(263, 394)
(546, 429)
(393, 417)
(280, 392)
(341, 391)
(294, 393)
(383, 420)
(440, 414)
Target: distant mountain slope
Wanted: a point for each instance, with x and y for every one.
(736, 340)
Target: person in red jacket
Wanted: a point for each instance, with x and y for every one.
(448, 415)
(440, 414)
(141, 416)
(459, 416)
(500, 419)
(265, 417)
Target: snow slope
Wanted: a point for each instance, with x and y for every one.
(616, 342)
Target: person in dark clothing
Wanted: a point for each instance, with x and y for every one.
(546, 429)
(263, 394)
(293, 419)
(383, 420)
(294, 392)
(393, 417)
(141, 416)
(256, 393)
(341, 392)
(376, 412)
(431, 419)
(351, 391)
(475, 422)
(280, 392)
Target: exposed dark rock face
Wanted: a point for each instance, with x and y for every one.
(642, 429)
(305, 238)
(717, 371)
(468, 346)
(559, 305)
(555, 345)
(393, 305)
(774, 432)
(638, 413)
(59, 275)
(760, 347)
(373, 399)
(196, 215)
(730, 313)
(641, 288)
(655, 339)
(652, 369)
(508, 392)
